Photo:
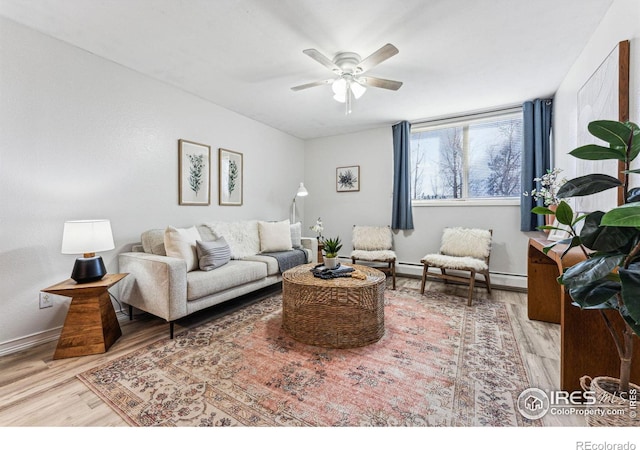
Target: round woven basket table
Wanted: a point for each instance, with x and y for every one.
(340, 312)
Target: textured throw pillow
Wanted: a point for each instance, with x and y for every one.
(242, 236)
(296, 235)
(181, 243)
(275, 236)
(213, 254)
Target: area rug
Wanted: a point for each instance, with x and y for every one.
(439, 363)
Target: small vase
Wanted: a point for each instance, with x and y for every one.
(330, 263)
(550, 218)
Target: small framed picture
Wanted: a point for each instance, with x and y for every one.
(230, 177)
(558, 235)
(348, 179)
(194, 173)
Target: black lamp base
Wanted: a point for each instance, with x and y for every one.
(86, 270)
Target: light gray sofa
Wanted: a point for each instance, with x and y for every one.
(166, 287)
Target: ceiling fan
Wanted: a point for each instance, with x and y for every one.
(350, 80)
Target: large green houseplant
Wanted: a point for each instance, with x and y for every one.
(609, 277)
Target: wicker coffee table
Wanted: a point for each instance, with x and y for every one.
(338, 313)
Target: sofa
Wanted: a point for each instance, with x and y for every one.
(174, 272)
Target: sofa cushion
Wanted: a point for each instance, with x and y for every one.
(296, 235)
(213, 254)
(270, 261)
(242, 236)
(153, 242)
(181, 243)
(274, 236)
(231, 275)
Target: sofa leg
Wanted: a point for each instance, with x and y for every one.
(171, 329)
(130, 312)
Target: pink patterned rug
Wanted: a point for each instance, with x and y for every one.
(440, 363)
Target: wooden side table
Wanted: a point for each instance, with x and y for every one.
(91, 325)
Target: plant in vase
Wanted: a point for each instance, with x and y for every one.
(331, 248)
(549, 185)
(609, 277)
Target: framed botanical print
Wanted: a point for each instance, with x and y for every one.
(230, 177)
(348, 179)
(194, 173)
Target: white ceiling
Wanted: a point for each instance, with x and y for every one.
(456, 56)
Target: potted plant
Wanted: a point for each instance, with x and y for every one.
(331, 248)
(547, 190)
(609, 277)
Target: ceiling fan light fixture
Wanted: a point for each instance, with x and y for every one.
(357, 89)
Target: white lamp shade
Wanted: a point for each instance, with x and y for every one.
(302, 191)
(87, 236)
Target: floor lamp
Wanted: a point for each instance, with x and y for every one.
(302, 192)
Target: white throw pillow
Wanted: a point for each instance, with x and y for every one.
(242, 236)
(275, 236)
(181, 243)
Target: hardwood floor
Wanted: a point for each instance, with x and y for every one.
(36, 390)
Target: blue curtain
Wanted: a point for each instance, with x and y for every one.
(537, 156)
(402, 215)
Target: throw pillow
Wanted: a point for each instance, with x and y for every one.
(296, 235)
(242, 236)
(181, 243)
(275, 236)
(213, 254)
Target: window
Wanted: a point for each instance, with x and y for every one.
(473, 158)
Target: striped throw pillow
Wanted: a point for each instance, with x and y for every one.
(213, 254)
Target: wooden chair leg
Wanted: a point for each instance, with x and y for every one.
(487, 280)
(472, 281)
(424, 278)
(353, 260)
(392, 267)
(444, 273)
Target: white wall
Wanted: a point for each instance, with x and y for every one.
(622, 22)
(373, 151)
(82, 138)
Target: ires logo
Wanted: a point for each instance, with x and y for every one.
(534, 403)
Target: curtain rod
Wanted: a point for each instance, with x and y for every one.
(469, 115)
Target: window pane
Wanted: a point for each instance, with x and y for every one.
(476, 159)
(495, 151)
(436, 160)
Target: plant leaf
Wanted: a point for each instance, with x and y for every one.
(613, 132)
(595, 293)
(602, 238)
(564, 213)
(593, 152)
(590, 270)
(630, 279)
(633, 195)
(542, 210)
(587, 185)
(623, 216)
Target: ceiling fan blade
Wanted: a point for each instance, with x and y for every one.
(315, 54)
(310, 85)
(380, 83)
(383, 53)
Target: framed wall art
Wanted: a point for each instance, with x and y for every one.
(194, 173)
(230, 177)
(604, 96)
(348, 179)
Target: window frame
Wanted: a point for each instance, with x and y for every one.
(464, 121)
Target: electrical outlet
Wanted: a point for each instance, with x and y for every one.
(46, 300)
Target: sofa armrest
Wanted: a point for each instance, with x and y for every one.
(156, 284)
(311, 244)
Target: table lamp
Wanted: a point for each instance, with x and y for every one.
(87, 237)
